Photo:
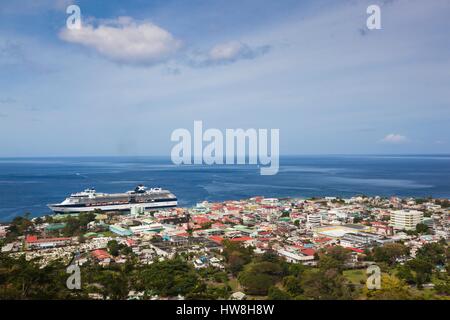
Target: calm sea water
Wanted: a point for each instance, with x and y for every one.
(28, 184)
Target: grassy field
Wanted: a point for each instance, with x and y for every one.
(234, 284)
(355, 276)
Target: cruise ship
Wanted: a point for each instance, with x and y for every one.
(141, 197)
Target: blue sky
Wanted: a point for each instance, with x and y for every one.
(140, 69)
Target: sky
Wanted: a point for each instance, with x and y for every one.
(137, 70)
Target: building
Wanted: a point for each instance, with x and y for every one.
(313, 220)
(101, 256)
(154, 227)
(406, 219)
(294, 257)
(359, 240)
(32, 242)
(120, 231)
(55, 226)
(3, 230)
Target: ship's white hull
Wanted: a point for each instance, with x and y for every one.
(115, 207)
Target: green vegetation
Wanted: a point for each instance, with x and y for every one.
(259, 276)
(389, 253)
(236, 256)
(115, 248)
(20, 226)
(262, 273)
(21, 279)
(77, 225)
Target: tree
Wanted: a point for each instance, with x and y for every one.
(236, 256)
(443, 286)
(389, 253)
(421, 228)
(357, 219)
(292, 285)
(236, 262)
(258, 277)
(435, 253)
(405, 273)
(22, 279)
(114, 247)
(338, 253)
(422, 268)
(327, 262)
(114, 285)
(334, 258)
(38, 220)
(278, 294)
(326, 285)
(296, 269)
(19, 227)
(392, 288)
(170, 278)
(256, 283)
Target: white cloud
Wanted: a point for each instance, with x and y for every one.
(394, 138)
(228, 52)
(125, 40)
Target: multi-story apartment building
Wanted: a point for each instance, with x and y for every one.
(406, 219)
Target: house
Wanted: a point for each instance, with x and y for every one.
(294, 257)
(32, 242)
(101, 256)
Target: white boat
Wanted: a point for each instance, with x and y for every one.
(141, 197)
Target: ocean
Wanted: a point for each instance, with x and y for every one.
(29, 184)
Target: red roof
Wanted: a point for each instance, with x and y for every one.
(230, 220)
(131, 242)
(31, 238)
(355, 250)
(201, 219)
(241, 239)
(217, 225)
(100, 254)
(216, 239)
(34, 239)
(308, 251)
(183, 234)
(319, 240)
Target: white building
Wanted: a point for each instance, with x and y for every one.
(313, 220)
(293, 257)
(155, 227)
(406, 219)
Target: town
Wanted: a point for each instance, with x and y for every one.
(258, 248)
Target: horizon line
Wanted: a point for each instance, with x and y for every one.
(281, 155)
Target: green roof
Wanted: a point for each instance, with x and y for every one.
(55, 226)
(90, 234)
